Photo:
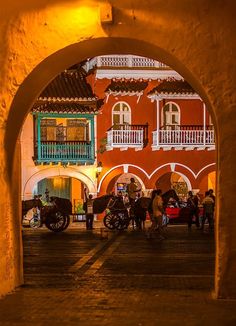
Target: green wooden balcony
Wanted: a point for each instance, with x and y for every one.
(72, 152)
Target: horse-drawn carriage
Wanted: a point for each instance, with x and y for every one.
(55, 214)
(120, 218)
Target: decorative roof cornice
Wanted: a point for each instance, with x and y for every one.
(67, 107)
(126, 87)
(172, 87)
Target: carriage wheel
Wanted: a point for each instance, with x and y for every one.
(56, 222)
(110, 221)
(123, 220)
(67, 223)
(35, 222)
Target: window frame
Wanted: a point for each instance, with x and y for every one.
(122, 112)
(171, 125)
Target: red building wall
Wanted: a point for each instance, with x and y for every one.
(143, 111)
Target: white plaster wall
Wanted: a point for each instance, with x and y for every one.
(195, 37)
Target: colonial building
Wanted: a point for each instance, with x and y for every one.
(58, 139)
(74, 139)
(153, 126)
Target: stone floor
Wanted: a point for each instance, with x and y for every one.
(81, 277)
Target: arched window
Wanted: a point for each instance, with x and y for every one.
(171, 116)
(121, 114)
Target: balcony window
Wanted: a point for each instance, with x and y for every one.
(78, 129)
(121, 114)
(48, 129)
(66, 130)
(171, 116)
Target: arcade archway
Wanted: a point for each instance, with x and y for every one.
(177, 181)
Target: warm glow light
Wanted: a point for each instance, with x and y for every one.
(59, 182)
(79, 17)
(212, 180)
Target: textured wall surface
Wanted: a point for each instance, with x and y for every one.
(195, 37)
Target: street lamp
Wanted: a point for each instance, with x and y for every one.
(98, 169)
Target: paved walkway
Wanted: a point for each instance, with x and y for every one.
(81, 277)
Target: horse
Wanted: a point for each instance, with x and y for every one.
(62, 204)
(99, 204)
(30, 203)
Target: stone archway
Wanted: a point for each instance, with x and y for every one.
(151, 26)
(88, 49)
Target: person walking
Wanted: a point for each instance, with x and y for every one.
(157, 212)
(88, 207)
(132, 190)
(140, 213)
(192, 204)
(208, 211)
(211, 194)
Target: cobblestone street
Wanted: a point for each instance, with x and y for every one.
(81, 277)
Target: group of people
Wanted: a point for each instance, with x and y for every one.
(208, 204)
(156, 208)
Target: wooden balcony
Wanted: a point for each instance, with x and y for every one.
(72, 152)
(124, 136)
(184, 137)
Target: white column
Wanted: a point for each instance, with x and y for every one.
(204, 123)
(158, 121)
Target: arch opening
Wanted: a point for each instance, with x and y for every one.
(175, 178)
(177, 181)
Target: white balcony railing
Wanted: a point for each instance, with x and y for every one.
(130, 61)
(124, 138)
(184, 139)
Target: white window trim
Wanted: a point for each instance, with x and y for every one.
(162, 115)
(130, 112)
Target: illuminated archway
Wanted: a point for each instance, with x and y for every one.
(174, 180)
(127, 177)
(54, 172)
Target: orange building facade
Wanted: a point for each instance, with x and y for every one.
(160, 103)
